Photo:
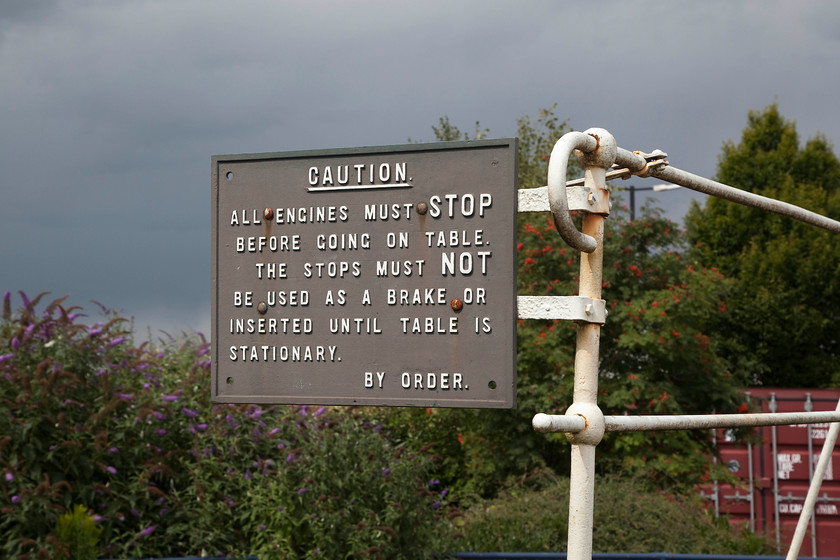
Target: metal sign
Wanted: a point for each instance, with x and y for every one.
(369, 276)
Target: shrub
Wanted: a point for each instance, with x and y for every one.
(78, 530)
(87, 417)
(630, 516)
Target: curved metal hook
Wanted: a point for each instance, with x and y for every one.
(557, 199)
(589, 143)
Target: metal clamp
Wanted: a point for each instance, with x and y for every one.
(598, 150)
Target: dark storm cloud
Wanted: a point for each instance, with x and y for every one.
(112, 109)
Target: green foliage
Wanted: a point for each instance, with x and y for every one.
(445, 131)
(89, 418)
(657, 352)
(630, 516)
(78, 530)
(382, 505)
(781, 324)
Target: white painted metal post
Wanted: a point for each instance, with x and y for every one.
(584, 423)
(813, 491)
(591, 242)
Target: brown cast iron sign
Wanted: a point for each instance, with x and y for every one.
(366, 276)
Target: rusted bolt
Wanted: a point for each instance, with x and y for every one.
(268, 213)
(422, 208)
(590, 198)
(262, 307)
(457, 304)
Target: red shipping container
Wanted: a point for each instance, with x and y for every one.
(776, 473)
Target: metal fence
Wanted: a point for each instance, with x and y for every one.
(583, 423)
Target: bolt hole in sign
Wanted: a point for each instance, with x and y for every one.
(366, 276)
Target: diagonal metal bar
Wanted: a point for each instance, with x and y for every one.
(638, 165)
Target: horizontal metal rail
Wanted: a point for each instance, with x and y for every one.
(653, 165)
(573, 423)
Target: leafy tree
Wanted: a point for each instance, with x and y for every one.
(782, 325)
(657, 355)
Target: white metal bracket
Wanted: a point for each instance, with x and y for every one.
(567, 308)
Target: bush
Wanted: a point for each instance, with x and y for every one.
(630, 516)
(78, 530)
(129, 431)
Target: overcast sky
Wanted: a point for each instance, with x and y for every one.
(111, 109)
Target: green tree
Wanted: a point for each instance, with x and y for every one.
(781, 327)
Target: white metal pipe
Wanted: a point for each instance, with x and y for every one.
(582, 494)
(637, 163)
(697, 421)
(555, 423)
(814, 490)
(548, 422)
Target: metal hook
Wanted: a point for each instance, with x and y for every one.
(587, 142)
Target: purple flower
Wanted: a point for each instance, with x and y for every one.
(436, 505)
(320, 411)
(5, 357)
(147, 531)
(290, 458)
(118, 340)
(256, 414)
(189, 413)
(125, 396)
(15, 499)
(169, 398)
(15, 343)
(162, 432)
(260, 527)
(113, 450)
(9, 476)
(302, 490)
(444, 493)
(386, 471)
(248, 475)
(111, 469)
(434, 482)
